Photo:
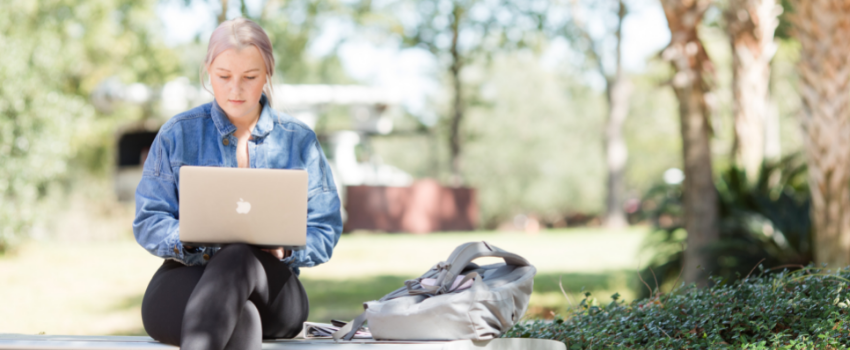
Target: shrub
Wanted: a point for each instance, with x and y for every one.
(763, 221)
(55, 53)
(803, 309)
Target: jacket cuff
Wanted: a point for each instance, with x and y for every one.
(197, 256)
(172, 248)
(193, 257)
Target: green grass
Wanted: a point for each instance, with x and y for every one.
(61, 287)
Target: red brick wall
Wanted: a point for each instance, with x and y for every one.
(424, 207)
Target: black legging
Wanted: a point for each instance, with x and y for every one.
(240, 297)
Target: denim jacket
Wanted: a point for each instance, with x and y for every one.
(204, 136)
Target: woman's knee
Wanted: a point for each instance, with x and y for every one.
(234, 253)
(234, 257)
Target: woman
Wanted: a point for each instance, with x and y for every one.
(233, 297)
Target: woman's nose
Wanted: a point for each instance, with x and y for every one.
(236, 86)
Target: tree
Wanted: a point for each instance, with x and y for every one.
(222, 16)
(751, 25)
(617, 92)
(54, 55)
(823, 29)
(291, 26)
(690, 82)
(535, 147)
(458, 33)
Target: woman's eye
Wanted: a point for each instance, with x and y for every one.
(250, 78)
(224, 76)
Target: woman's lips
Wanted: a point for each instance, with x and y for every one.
(236, 102)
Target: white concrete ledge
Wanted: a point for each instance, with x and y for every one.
(62, 342)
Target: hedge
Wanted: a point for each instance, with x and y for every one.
(803, 309)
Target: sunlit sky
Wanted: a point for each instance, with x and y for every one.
(409, 71)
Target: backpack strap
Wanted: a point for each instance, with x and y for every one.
(445, 272)
(464, 254)
(348, 331)
(433, 290)
(410, 286)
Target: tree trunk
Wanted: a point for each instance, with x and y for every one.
(223, 15)
(750, 25)
(823, 29)
(618, 91)
(616, 151)
(458, 106)
(243, 8)
(772, 132)
(691, 64)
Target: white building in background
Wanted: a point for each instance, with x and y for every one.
(371, 111)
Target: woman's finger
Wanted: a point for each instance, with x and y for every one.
(278, 253)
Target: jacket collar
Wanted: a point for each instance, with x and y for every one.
(225, 127)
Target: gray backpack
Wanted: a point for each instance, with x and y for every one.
(455, 299)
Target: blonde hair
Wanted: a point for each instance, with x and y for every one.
(239, 33)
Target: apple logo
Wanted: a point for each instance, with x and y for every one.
(243, 207)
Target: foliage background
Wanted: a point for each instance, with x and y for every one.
(533, 146)
(534, 127)
(55, 54)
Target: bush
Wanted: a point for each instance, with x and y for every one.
(55, 54)
(804, 309)
(766, 221)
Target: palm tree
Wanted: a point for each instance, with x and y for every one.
(750, 25)
(692, 68)
(823, 29)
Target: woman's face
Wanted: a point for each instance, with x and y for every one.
(237, 79)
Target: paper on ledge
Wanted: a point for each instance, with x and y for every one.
(314, 330)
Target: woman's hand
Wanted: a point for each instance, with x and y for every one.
(278, 253)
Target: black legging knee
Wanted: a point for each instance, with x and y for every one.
(241, 296)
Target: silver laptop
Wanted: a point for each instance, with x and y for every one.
(263, 207)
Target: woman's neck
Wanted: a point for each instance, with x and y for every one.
(246, 123)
